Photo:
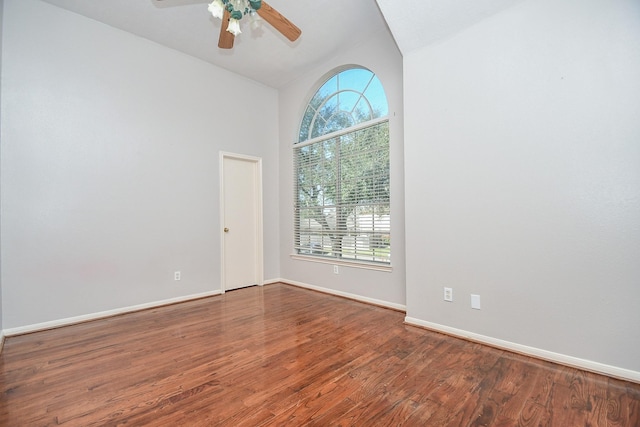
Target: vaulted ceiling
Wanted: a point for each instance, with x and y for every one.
(265, 55)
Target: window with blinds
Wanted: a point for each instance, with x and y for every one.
(341, 166)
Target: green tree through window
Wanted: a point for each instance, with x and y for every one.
(342, 171)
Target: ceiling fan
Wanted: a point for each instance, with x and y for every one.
(231, 11)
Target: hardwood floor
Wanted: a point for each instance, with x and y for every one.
(281, 355)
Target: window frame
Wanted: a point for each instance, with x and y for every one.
(298, 145)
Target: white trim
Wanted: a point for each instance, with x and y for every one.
(103, 314)
(341, 132)
(1, 341)
(360, 298)
(563, 359)
(341, 261)
(257, 161)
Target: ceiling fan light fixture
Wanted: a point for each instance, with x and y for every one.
(256, 21)
(216, 8)
(236, 8)
(234, 27)
(232, 11)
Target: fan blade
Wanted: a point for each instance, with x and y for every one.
(279, 22)
(226, 38)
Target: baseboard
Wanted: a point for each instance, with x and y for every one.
(575, 362)
(360, 298)
(588, 365)
(102, 314)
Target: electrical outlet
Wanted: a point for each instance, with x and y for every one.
(335, 270)
(475, 301)
(448, 294)
(176, 275)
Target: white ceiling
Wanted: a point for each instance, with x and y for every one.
(417, 23)
(268, 57)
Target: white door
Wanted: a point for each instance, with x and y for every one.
(241, 213)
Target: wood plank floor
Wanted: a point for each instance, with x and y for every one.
(281, 355)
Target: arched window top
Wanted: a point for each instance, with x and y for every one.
(348, 98)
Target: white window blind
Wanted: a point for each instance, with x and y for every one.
(342, 207)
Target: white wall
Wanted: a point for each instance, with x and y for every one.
(523, 179)
(381, 56)
(110, 166)
(1, 26)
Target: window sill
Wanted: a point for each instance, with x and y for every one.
(334, 261)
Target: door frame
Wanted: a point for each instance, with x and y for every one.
(259, 255)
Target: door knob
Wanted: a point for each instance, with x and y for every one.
(226, 229)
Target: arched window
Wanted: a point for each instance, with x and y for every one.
(341, 159)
